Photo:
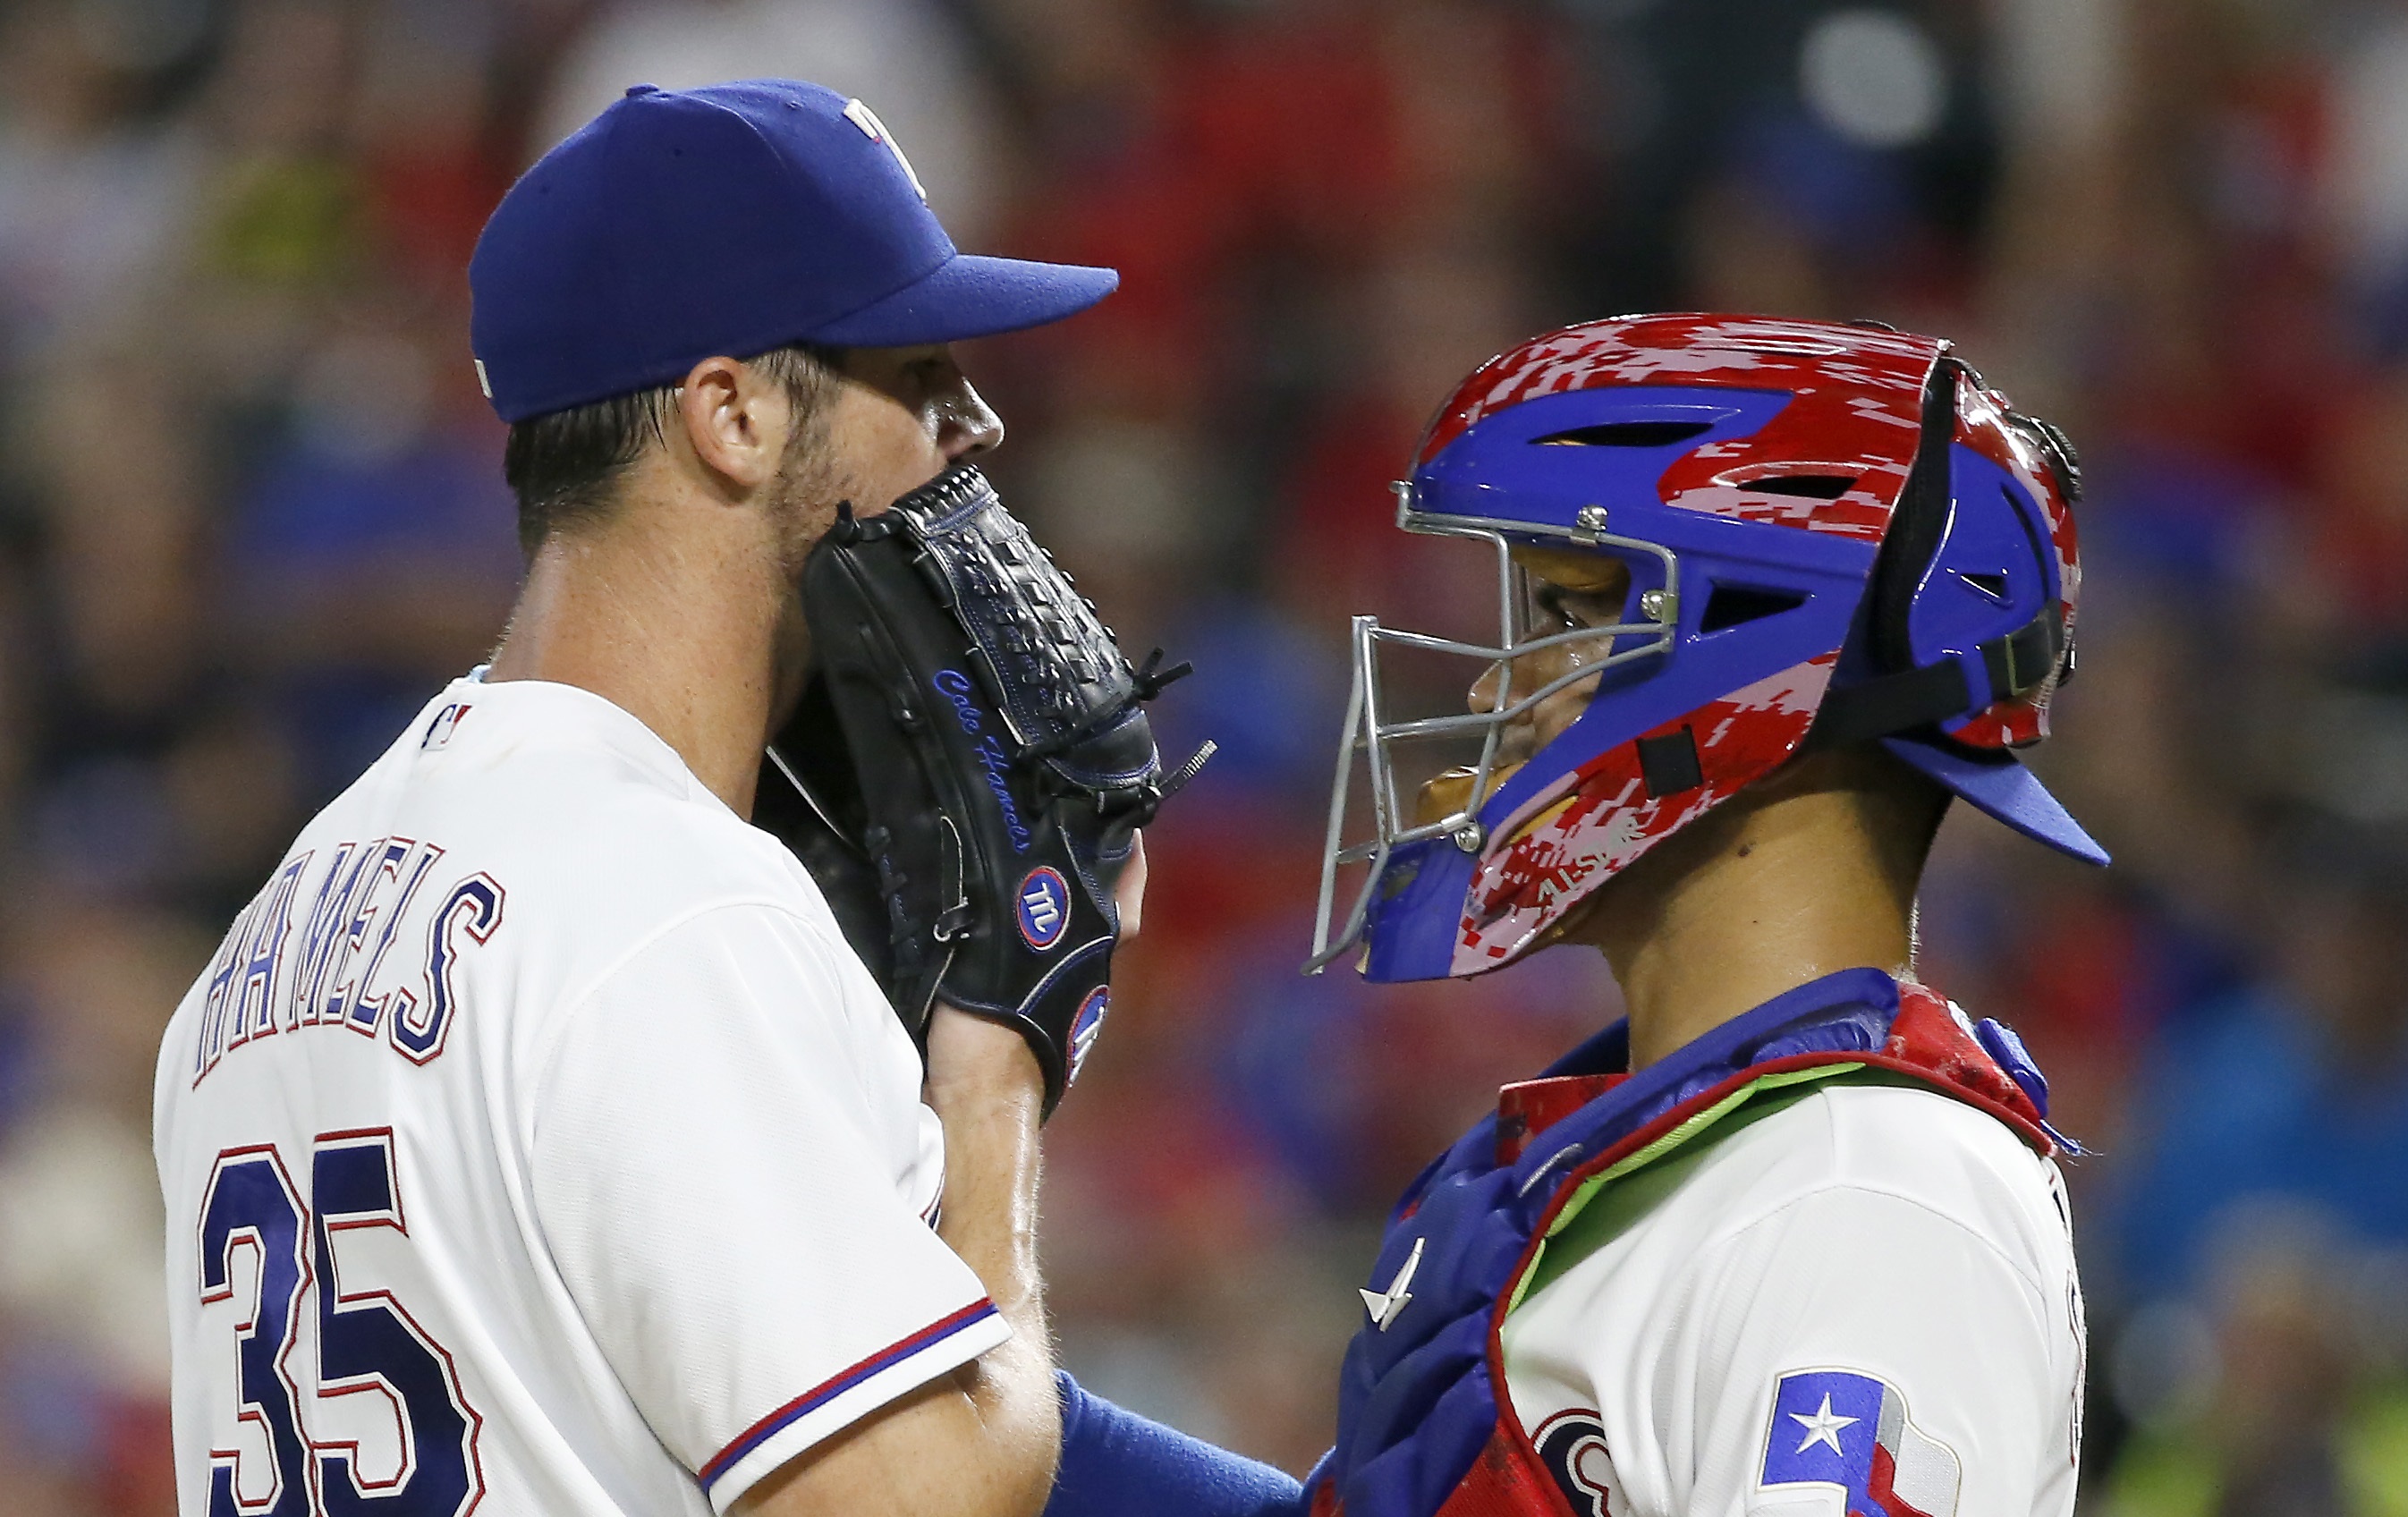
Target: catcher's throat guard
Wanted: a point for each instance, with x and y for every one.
(968, 767)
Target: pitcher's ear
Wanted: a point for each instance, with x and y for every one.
(725, 408)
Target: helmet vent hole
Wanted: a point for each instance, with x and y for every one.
(1732, 606)
(1811, 486)
(1625, 434)
(1992, 585)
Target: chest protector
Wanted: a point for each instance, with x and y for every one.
(1424, 1427)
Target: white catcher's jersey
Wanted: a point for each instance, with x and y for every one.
(535, 1144)
(1862, 1303)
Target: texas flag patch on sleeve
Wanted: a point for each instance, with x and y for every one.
(1837, 1428)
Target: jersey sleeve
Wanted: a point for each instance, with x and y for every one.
(710, 1178)
(1858, 1342)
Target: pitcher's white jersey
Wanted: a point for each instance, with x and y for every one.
(1862, 1303)
(535, 1144)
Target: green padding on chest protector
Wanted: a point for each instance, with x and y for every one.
(1609, 1202)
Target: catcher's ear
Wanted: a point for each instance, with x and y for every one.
(735, 422)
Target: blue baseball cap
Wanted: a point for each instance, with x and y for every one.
(731, 219)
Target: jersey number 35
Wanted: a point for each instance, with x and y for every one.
(368, 1345)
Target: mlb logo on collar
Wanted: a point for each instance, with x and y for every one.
(1838, 1427)
(446, 722)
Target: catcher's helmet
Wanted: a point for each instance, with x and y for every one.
(1832, 534)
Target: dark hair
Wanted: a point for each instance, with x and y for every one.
(564, 465)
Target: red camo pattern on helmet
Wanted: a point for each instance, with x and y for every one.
(1601, 819)
(1857, 407)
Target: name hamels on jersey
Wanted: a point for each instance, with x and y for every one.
(312, 949)
(371, 922)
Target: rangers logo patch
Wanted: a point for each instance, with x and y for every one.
(1838, 1427)
(1086, 1026)
(1042, 907)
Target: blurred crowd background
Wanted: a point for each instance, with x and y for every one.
(250, 516)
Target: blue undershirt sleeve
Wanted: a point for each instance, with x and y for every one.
(1115, 1462)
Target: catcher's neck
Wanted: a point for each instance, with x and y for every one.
(1775, 889)
(678, 613)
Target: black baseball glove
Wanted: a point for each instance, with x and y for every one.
(969, 767)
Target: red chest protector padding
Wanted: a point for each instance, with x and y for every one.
(1422, 1430)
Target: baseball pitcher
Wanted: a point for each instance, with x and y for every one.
(539, 1140)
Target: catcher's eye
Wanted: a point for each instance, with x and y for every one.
(1562, 609)
(1565, 590)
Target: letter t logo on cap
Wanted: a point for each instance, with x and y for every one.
(875, 130)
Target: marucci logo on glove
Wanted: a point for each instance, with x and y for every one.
(1045, 907)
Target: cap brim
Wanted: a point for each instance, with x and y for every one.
(969, 296)
(1999, 785)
